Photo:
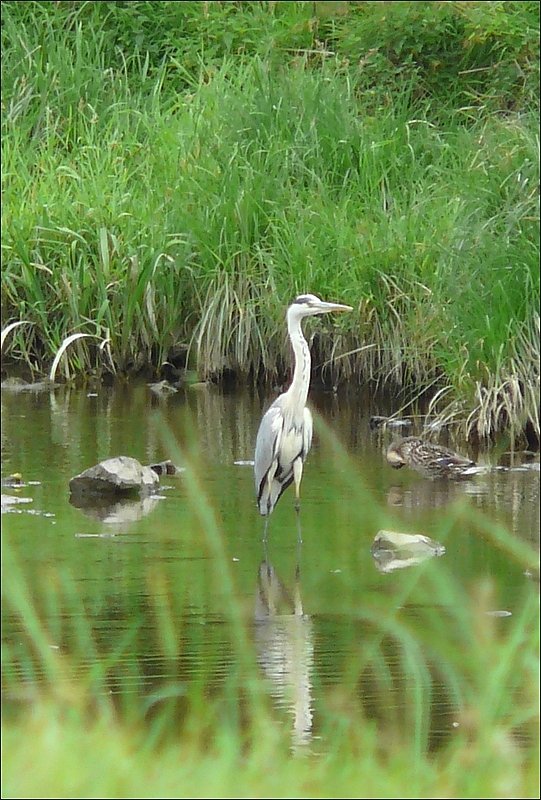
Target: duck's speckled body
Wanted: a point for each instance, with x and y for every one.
(430, 460)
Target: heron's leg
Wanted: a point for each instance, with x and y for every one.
(270, 477)
(299, 531)
(297, 477)
(297, 591)
(265, 532)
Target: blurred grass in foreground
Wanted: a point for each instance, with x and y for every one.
(65, 733)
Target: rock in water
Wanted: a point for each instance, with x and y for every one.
(392, 550)
(120, 475)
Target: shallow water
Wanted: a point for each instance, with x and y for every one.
(313, 610)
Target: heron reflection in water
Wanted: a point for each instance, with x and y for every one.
(285, 433)
(285, 648)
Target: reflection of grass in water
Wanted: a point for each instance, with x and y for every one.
(185, 738)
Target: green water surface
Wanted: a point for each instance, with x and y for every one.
(141, 590)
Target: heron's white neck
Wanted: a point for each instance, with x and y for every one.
(298, 390)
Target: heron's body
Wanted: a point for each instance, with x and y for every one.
(292, 439)
(430, 460)
(285, 433)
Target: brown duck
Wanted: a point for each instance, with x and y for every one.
(431, 460)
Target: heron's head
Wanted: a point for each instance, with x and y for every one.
(308, 305)
(395, 456)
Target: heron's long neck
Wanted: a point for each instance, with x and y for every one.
(301, 375)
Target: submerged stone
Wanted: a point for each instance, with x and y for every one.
(376, 422)
(393, 550)
(14, 481)
(15, 384)
(11, 500)
(162, 388)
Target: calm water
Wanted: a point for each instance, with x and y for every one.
(313, 609)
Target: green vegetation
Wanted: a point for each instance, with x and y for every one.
(174, 173)
(97, 683)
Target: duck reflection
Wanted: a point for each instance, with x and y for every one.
(433, 494)
(285, 649)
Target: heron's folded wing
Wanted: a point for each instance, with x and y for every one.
(267, 443)
(307, 433)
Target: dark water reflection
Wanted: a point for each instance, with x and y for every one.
(312, 612)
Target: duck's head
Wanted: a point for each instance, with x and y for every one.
(395, 456)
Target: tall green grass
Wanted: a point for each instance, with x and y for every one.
(175, 186)
(179, 737)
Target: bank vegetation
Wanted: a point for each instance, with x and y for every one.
(175, 173)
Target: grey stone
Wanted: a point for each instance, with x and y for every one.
(392, 550)
(120, 475)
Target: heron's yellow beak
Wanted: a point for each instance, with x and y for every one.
(328, 307)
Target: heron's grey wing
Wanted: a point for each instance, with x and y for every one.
(267, 444)
(307, 432)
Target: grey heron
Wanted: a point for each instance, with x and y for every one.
(285, 432)
(430, 460)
